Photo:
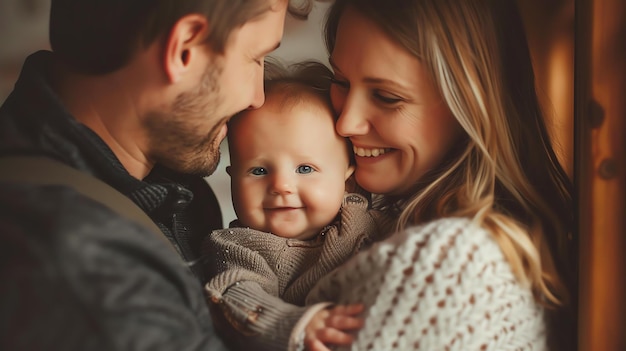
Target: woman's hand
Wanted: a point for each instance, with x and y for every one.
(331, 326)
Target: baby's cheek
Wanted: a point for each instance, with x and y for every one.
(248, 207)
(324, 204)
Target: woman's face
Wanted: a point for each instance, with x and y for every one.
(388, 106)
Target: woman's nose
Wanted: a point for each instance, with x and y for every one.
(352, 117)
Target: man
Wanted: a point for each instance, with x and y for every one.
(136, 93)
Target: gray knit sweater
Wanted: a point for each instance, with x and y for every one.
(259, 280)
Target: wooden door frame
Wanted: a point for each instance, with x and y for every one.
(599, 172)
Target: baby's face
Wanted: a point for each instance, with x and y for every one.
(288, 169)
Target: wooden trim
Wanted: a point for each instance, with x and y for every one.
(600, 154)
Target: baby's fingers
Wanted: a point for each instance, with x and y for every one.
(343, 322)
(331, 336)
(317, 345)
(349, 310)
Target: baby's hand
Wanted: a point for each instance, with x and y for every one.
(330, 326)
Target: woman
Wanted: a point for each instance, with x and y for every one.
(438, 99)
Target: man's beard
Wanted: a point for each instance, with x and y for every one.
(184, 139)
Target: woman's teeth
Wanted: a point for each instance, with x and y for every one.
(359, 151)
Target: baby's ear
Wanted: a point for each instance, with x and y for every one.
(349, 172)
(228, 171)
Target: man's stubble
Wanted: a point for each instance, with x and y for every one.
(184, 139)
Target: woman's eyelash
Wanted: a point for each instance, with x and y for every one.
(387, 99)
(380, 97)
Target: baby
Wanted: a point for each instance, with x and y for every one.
(295, 222)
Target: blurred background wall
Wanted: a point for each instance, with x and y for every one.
(23, 29)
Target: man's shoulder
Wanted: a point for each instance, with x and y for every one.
(57, 218)
(77, 273)
(54, 233)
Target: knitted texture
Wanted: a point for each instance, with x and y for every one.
(259, 280)
(442, 286)
(289, 268)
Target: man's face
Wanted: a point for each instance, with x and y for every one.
(188, 138)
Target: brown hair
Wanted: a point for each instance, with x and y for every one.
(98, 37)
(297, 83)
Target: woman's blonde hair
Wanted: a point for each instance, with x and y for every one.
(504, 174)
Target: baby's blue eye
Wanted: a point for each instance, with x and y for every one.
(304, 169)
(258, 171)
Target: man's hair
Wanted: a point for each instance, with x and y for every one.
(100, 36)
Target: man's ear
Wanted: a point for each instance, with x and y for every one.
(187, 41)
(349, 171)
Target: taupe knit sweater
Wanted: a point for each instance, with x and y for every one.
(259, 280)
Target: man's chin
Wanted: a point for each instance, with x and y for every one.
(206, 169)
(195, 166)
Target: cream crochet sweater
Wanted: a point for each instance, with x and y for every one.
(444, 285)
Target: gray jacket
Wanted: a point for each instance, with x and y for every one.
(76, 276)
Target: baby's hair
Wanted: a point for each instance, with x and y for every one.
(297, 81)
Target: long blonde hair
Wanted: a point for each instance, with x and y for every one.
(504, 174)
